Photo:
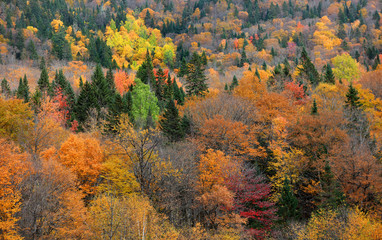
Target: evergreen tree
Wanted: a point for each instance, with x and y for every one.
(264, 66)
(102, 92)
(196, 79)
(61, 47)
(42, 63)
(159, 85)
(234, 83)
(352, 98)
(146, 71)
(314, 108)
(288, 203)
(204, 58)
(171, 122)
(43, 82)
(257, 73)
(331, 196)
(329, 75)
(341, 33)
(85, 101)
(32, 50)
(308, 69)
(110, 80)
(19, 43)
(5, 89)
(183, 68)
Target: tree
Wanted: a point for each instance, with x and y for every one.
(170, 122)
(43, 81)
(195, 78)
(13, 166)
(102, 91)
(84, 156)
(287, 202)
(234, 83)
(5, 89)
(252, 201)
(307, 70)
(143, 100)
(61, 47)
(20, 45)
(32, 50)
(146, 71)
(314, 110)
(352, 98)
(329, 76)
(345, 67)
(23, 89)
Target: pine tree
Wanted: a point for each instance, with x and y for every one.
(264, 66)
(257, 73)
(234, 83)
(42, 63)
(171, 122)
(85, 101)
(314, 108)
(288, 203)
(5, 89)
(20, 45)
(103, 95)
(308, 69)
(196, 79)
(43, 82)
(110, 80)
(160, 84)
(329, 76)
(146, 71)
(352, 98)
(32, 50)
(331, 196)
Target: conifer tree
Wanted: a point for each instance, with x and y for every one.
(171, 122)
(160, 84)
(32, 50)
(196, 79)
(331, 196)
(308, 69)
(329, 75)
(288, 203)
(102, 92)
(43, 82)
(234, 83)
(110, 79)
(314, 108)
(146, 71)
(5, 89)
(352, 98)
(85, 101)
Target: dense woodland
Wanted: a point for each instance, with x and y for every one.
(195, 119)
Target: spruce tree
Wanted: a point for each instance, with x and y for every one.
(314, 108)
(146, 71)
(103, 95)
(85, 101)
(32, 50)
(288, 203)
(110, 79)
(5, 89)
(43, 82)
(196, 79)
(19, 44)
(308, 69)
(331, 196)
(329, 75)
(160, 84)
(352, 98)
(171, 122)
(26, 89)
(234, 83)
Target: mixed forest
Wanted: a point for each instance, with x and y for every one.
(190, 119)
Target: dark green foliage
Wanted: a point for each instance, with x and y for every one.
(234, 83)
(332, 196)
(42, 63)
(314, 108)
(341, 33)
(19, 43)
(85, 101)
(61, 47)
(36, 100)
(257, 73)
(308, 70)
(102, 92)
(264, 66)
(352, 98)
(100, 53)
(288, 203)
(5, 89)
(171, 122)
(329, 75)
(195, 78)
(32, 50)
(23, 89)
(159, 86)
(43, 81)
(110, 80)
(145, 72)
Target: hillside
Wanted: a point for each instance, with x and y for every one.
(206, 119)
